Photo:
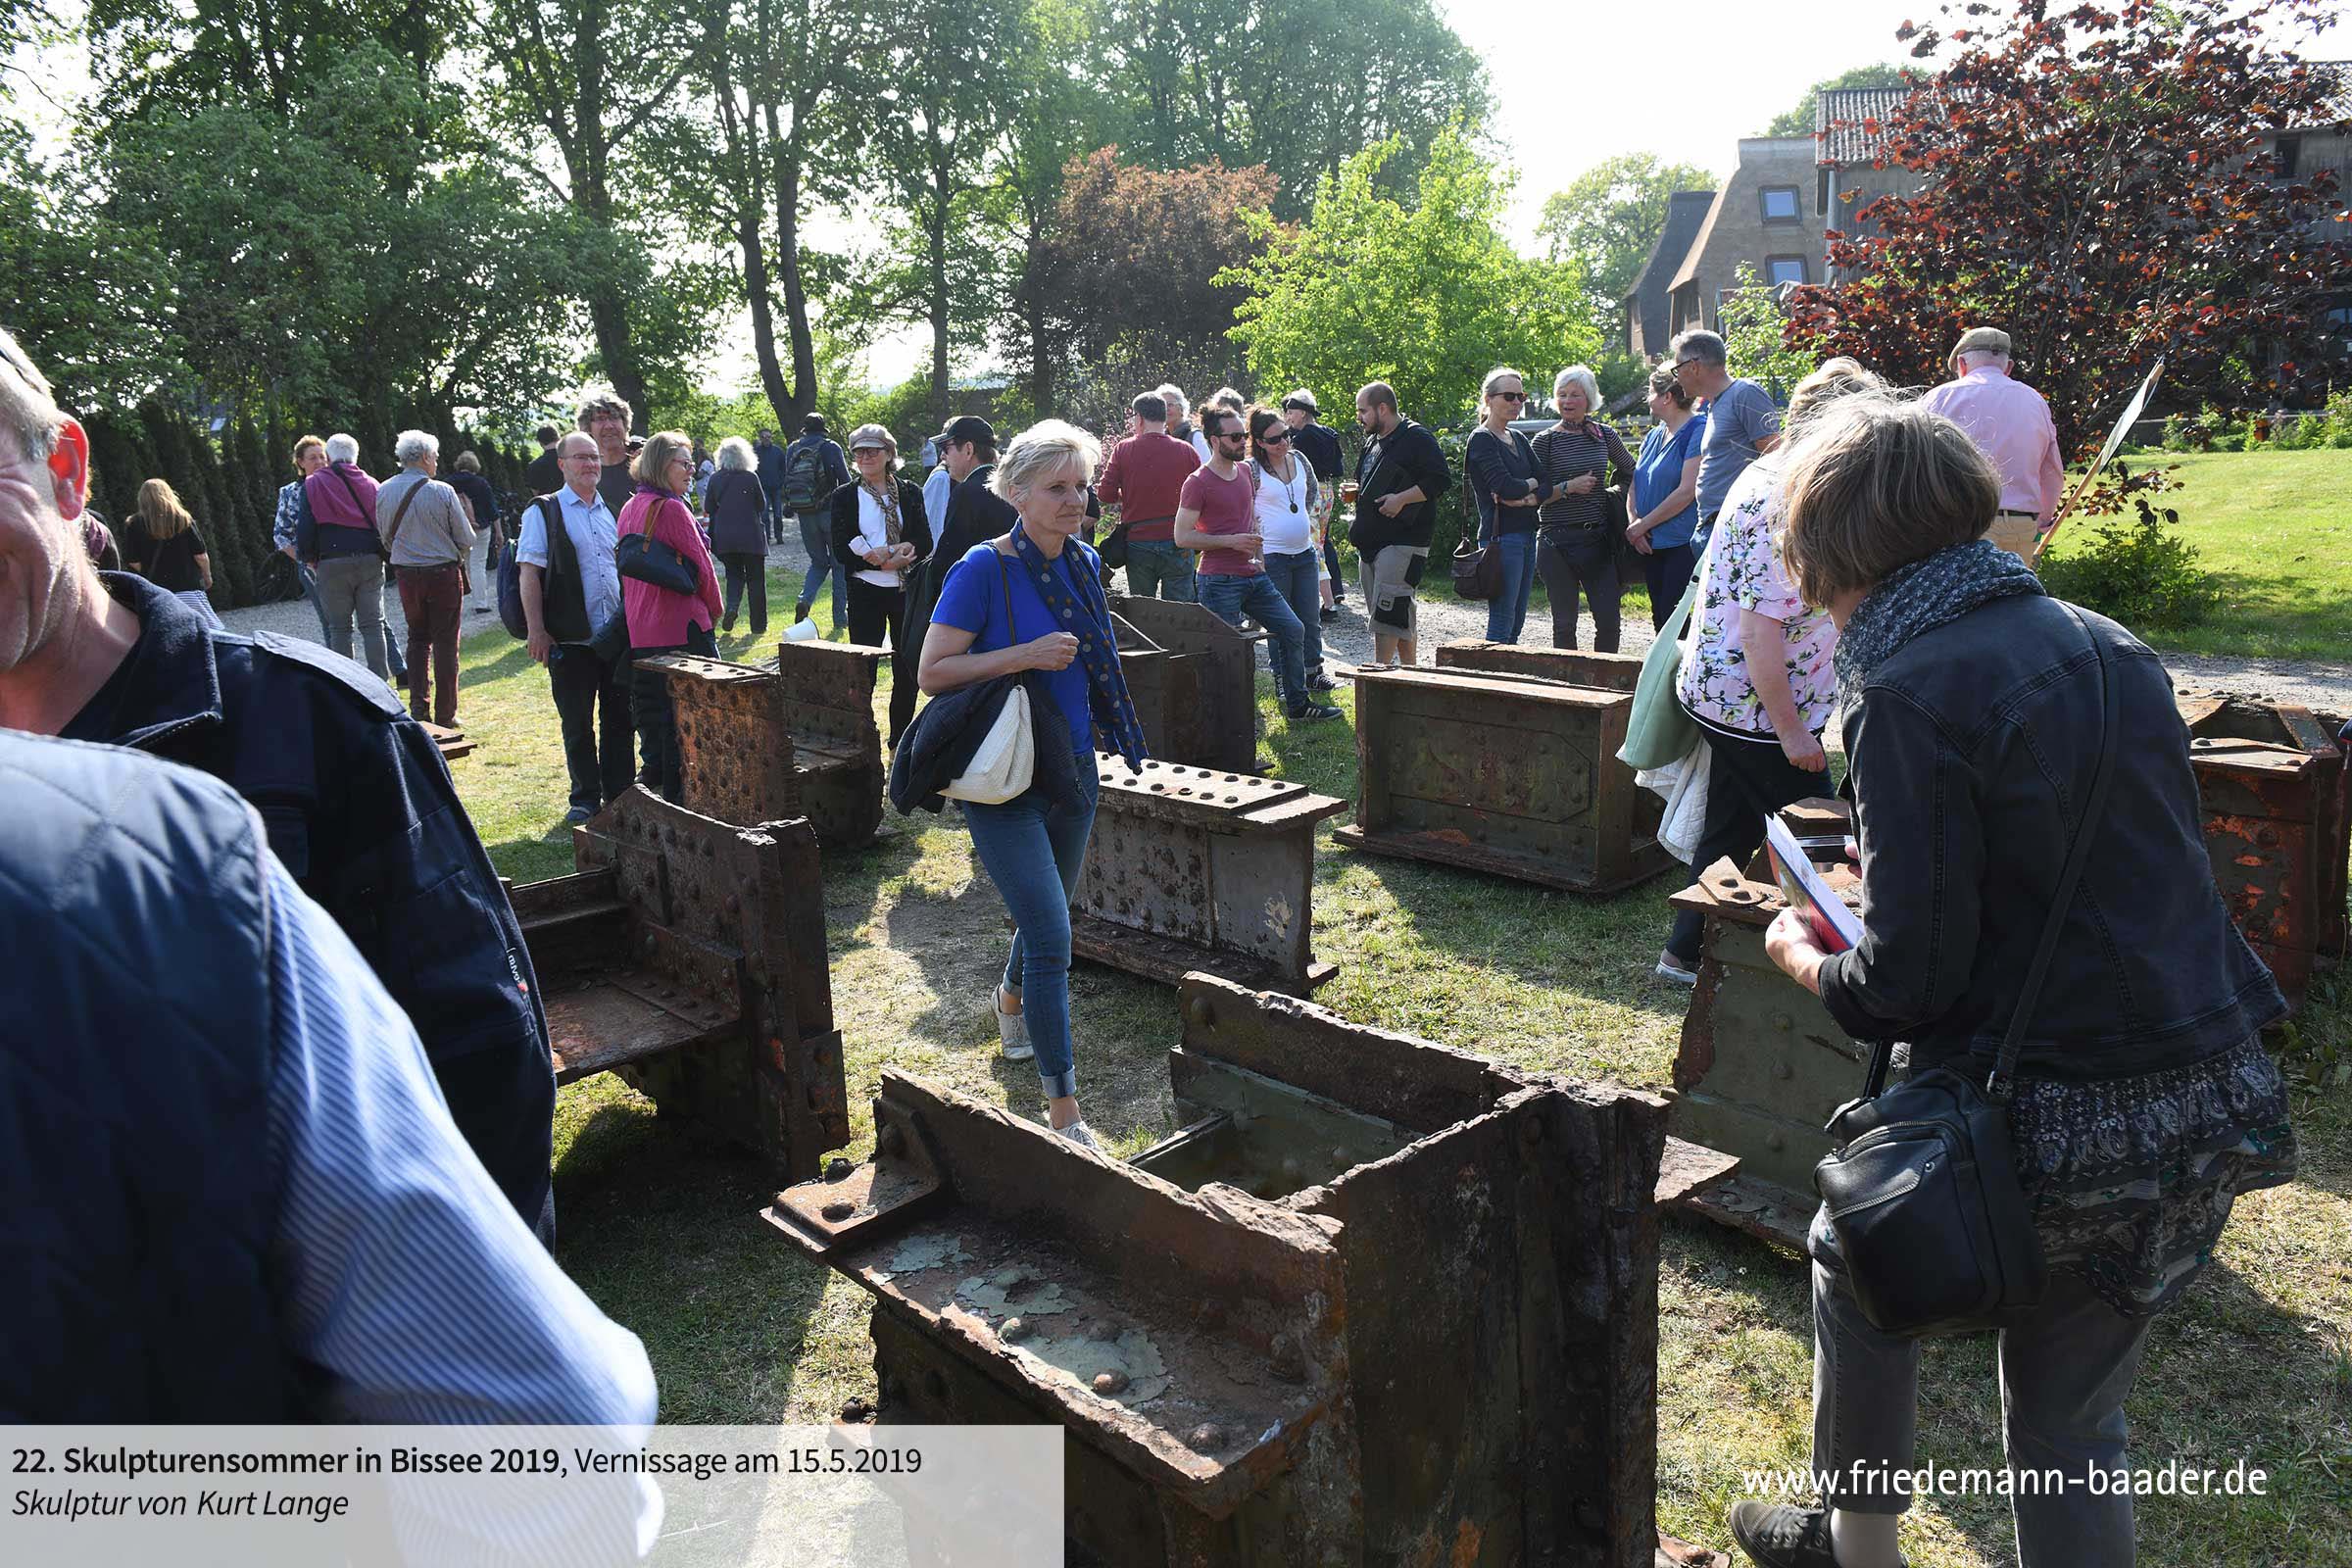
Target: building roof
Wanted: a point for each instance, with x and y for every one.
(1685, 213)
(1755, 151)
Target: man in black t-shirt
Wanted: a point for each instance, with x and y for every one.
(607, 417)
(545, 475)
(1401, 474)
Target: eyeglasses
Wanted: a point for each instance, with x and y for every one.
(1509, 397)
(1679, 364)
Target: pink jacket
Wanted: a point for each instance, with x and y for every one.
(657, 617)
(330, 492)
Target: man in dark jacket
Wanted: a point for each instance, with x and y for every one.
(974, 513)
(355, 797)
(545, 475)
(1401, 472)
(768, 461)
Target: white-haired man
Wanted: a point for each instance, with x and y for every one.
(427, 539)
(2011, 424)
(1180, 419)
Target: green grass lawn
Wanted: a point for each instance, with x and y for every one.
(659, 1225)
(2277, 526)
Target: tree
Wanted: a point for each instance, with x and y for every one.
(1133, 281)
(1754, 330)
(1608, 221)
(2094, 182)
(1798, 120)
(1427, 298)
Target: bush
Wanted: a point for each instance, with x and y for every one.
(2137, 572)
(2175, 438)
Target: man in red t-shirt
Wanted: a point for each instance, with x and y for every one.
(1216, 513)
(1142, 479)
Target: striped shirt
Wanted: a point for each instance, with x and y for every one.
(1564, 452)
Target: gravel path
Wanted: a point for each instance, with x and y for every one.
(2327, 687)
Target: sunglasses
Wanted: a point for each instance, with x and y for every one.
(1511, 397)
(1273, 438)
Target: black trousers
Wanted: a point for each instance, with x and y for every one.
(663, 772)
(1745, 780)
(747, 571)
(588, 690)
(1573, 559)
(1669, 573)
(878, 619)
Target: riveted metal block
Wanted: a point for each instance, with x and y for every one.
(1194, 681)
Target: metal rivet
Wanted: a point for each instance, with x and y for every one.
(837, 1212)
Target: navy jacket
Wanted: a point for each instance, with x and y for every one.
(1970, 754)
(940, 744)
(136, 1045)
(360, 807)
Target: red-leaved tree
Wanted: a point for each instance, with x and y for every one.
(2097, 182)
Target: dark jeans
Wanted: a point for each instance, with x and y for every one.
(1255, 596)
(1745, 779)
(1331, 560)
(1293, 577)
(664, 770)
(1506, 611)
(747, 570)
(434, 597)
(588, 690)
(877, 617)
(1669, 573)
(1569, 560)
(774, 513)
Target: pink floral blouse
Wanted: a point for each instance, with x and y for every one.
(1743, 571)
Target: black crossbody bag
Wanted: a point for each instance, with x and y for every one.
(1921, 1183)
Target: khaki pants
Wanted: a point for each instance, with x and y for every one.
(2014, 534)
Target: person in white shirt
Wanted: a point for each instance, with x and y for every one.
(881, 531)
(1287, 502)
(570, 587)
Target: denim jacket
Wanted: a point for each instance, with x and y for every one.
(1970, 752)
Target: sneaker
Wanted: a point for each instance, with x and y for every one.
(1673, 966)
(1329, 614)
(1778, 1535)
(1320, 682)
(578, 815)
(1013, 1036)
(1081, 1134)
(1313, 712)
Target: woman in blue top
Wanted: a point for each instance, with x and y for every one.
(1032, 599)
(1666, 495)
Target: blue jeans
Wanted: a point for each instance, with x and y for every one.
(1506, 611)
(773, 513)
(1033, 856)
(1159, 570)
(816, 536)
(2064, 1371)
(1255, 596)
(1295, 578)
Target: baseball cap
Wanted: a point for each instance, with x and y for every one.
(968, 427)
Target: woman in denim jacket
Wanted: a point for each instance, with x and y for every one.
(2144, 1102)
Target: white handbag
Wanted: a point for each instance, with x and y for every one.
(1007, 760)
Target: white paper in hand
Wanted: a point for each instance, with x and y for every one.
(1835, 926)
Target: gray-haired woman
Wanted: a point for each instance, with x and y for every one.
(738, 511)
(1576, 549)
(1975, 710)
(1032, 599)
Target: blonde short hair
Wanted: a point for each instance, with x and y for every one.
(1486, 388)
(1835, 378)
(1877, 484)
(1038, 450)
(663, 448)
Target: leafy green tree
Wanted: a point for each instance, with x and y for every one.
(1608, 221)
(1754, 330)
(1798, 120)
(1427, 297)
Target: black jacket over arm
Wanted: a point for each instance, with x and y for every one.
(1970, 752)
(915, 527)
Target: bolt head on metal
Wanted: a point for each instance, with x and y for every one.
(837, 1212)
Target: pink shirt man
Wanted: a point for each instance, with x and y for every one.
(2011, 424)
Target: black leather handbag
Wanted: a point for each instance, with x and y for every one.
(648, 559)
(1921, 1187)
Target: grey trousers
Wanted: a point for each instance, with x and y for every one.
(352, 586)
(2064, 1373)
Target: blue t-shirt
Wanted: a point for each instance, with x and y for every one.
(1739, 416)
(972, 599)
(1658, 470)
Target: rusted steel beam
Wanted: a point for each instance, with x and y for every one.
(2273, 783)
(689, 957)
(1761, 1064)
(764, 744)
(1194, 680)
(1190, 868)
(1570, 666)
(452, 743)
(1377, 1303)
(1500, 773)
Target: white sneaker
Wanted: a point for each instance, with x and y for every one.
(1670, 968)
(1081, 1134)
(1013, 1036)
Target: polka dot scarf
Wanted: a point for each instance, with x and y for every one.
(1086, 614)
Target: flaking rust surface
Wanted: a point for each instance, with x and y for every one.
(1202, 1387)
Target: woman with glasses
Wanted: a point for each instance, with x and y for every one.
(1287, 498)
(1509, 487)
(662, 620)
(1576, 548)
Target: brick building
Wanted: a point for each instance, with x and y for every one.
(1765, 215)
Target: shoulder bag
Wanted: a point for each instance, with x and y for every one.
(1921, 1184)
(1007, 760)
(648, 559)
(1477, 565)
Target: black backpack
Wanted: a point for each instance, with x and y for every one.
(807, 484)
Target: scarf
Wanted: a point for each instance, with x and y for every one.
(1927, 593)
(887, 498)
(1087, 614)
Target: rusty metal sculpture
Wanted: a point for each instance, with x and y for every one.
(689, 957)
(1191, 868)
(1194, 680)
(1377, 1302)
(1500, 772)
(796, 738)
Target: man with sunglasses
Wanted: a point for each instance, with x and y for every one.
(1742, 423)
